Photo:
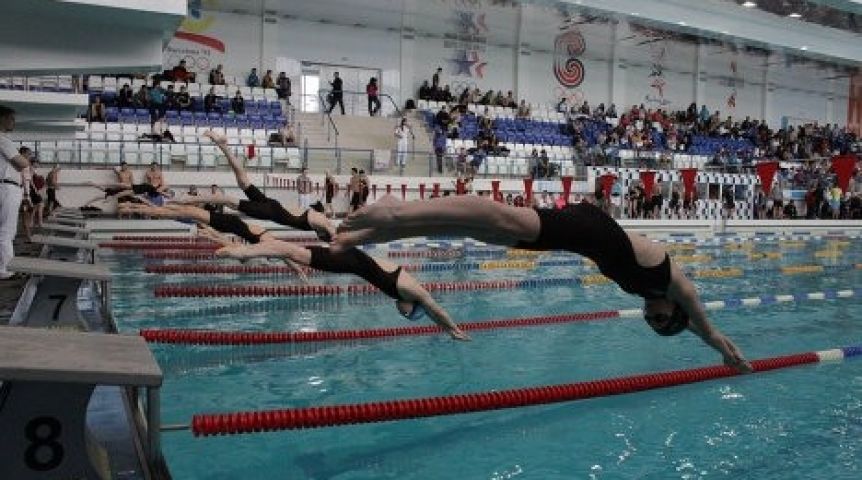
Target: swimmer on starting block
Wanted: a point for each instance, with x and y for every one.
(258, 205)
(411, 299)
(640, 267)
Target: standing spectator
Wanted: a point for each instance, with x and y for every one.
(336, 96)
(125, 97)
(237, 104)
(282, 87)
(354, 190)
(268, 81)
(37, 194)
(171, 98)
(403, 133)
(435, 79)
(211, 101)
(425, 92)
(303, 188)
(439, 147)
(12, 162)
(184, 100)
(157, 101)
(373, 97)
(97, 111)
(217, 76)
(52, 184)
(329, 192)
(28, 201)
(180, 72)
(253, 80)
(142, 98)
(364, 183)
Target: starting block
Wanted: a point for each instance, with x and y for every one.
(67, 245)
(56, 227)
(54, 302)
(48, 378)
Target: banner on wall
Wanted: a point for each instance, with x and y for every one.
(567, 67)
(467, 41)
(194, 42)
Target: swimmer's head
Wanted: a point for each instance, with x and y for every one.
(665, 317)
(410, 310)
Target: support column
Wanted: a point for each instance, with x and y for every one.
(268, 44)
(617, 72)
(407, 87)
(830, 103)
(699, 75)
(766, 93)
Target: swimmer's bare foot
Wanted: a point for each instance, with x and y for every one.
(459, 334)
(238, 251)
(346, 240)
(321, 225)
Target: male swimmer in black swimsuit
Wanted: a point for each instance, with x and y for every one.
(411, 299)
(258, 205)
(636, 264)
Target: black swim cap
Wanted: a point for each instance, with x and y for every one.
(668, 325)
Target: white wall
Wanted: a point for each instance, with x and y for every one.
(689, 72)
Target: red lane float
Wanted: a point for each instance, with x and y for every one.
(161, 245)
(168, 291)
(426, 253)
(189, 239)
(373, 412)
(179, 255)
(214, 337)
(216, 268)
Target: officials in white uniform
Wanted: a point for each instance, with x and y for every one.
(11, 164)
(403, 134)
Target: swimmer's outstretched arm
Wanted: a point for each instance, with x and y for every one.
(290, 253)
(683, 292)
(476, 217)
(212, 199)
(235, 164)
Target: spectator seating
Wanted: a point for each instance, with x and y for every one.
(46, 83)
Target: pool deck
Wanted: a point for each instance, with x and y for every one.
(10, 290)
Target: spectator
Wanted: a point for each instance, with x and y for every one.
(180, 73)
(524, 110)
(303, 188)
(125, 97)
(268, 81)
(373, 99)
(52, 184)
(425, 92)
(97, 111)
(561, 106)
(217, 76)
(439, 147)
(282, 87)
(435, 79)
(585, 108)
(612, 111)
(364, 183)
(403, 134)
(252, 80)
(443, 118)
(154, 176)
(184, 100)
(193, 191)
(510, 101)
(284, 138)
(211, 101)
(336, 96)
(31, 199)
(354, 190)
(545, 167)
(237, 104)
(142, 98)
(159, 131)
(171, 98)
(157, 101)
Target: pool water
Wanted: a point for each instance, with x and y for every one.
(804, 422)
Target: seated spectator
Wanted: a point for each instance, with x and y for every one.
(282, 87)
(237, 104)
(183, 99)
(445, 95)
(561, 106)
(171, 98)
(510, 100)
(425, 91)
(180, 73)
(125, 97)
(159, 132)
(545, 167)
(285, 137)
(523, 110)
(499, 99)
(464, 98)
(268, 81)
(97, 111)
(479, 155)
(585, 108)
(599, 112)
(488, 98)
(217, 76)
(142, 98)
(252, 80)
(211, 101)
(461, 161)
(443, 118)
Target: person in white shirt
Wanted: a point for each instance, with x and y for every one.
(403, 133)
(11, 165)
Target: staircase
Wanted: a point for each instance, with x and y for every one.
(357, 137)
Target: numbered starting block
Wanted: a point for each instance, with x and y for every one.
(65, 229)
(66, 248)
(55, 297)
(47, 379)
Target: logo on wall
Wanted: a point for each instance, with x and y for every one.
(656, 77)
(568, 69)
(467, 43)
(731, 97)
(201, 52)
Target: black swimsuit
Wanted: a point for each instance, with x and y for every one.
(226, 223)
(586, 230)
(355, 261)
(262, 207)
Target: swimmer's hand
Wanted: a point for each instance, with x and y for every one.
(215, 137)
(238, 251)
(459, 334)
(739, 363)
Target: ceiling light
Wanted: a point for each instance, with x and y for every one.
(681, 23)
(725, 32)
(749, 4)
(635, 14)
(804, 47)
(795, 15)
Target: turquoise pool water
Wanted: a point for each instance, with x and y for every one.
(804, 422)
